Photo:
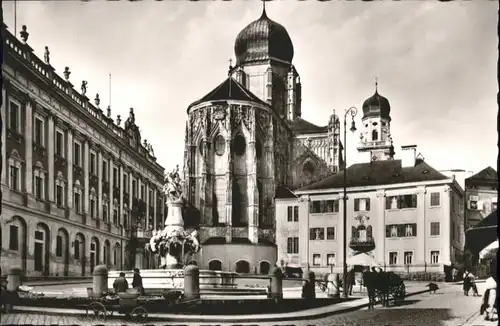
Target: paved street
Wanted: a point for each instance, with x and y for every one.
(449, 307)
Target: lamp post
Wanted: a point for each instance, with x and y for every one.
(352, 111)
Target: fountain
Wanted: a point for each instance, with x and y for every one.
(175, 247)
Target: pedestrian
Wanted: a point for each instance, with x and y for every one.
(350, 281)
(472, 279)
(120, 284)
(137, 281)
(467, 283)
(454, 273)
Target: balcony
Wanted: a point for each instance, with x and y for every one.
(143, 234)
(364, 245)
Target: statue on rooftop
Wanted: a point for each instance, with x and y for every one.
(24, 34)
(46, 55)
(66, 73)
(84, 87)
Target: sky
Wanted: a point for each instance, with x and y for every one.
(435, 62)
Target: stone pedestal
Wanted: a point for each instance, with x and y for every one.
(173, 222)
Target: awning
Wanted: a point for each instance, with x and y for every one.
(483, 234)
(362, 259)
(493, 245)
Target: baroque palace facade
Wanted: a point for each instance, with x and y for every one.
(78, 187)
(405, 214)
(246, 142)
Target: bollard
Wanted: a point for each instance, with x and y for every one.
(100, 281)
(333, 285)
(13, 283)
(309, 285)
(191, 282)
(14, 278)
(276, 283)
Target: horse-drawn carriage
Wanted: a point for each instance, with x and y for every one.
(129, 303)
(386, 286)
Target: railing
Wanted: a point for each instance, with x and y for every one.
(25, 52)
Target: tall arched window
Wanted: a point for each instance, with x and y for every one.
(374, 135)
(308, 169)
(239, 145)
(220, 145)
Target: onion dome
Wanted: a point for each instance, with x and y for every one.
(377, 106)
(263, 39)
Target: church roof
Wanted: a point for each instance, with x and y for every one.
(378, 173)
(229, 89)
(487, 175)
(300, 126)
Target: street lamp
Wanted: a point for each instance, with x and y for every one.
(353, 111)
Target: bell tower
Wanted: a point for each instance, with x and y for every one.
(375, 136)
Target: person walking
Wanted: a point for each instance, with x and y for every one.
(350, 281)
(454, 273)
(467, 283)
(137, 281)
(120, 284)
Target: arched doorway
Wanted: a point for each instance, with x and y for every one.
(242, 267)
(107, 254)
(264, 267)
(79, 251)
(18, 240)
(62, 249)
(42, 249)
(94, 253)
(215, 265)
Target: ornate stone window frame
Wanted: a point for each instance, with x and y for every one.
(78, 189)
(41, 173)
(43, 120)
(60, 181)
(105, 208)
(19, 116)
(80, 144)
(116, 209)
(63, 141)
(16, 161)
(93, 197)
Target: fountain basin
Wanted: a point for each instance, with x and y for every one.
(157, 281)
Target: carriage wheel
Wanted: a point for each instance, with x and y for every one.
(400, 293)
(96, 311)
(139, 315)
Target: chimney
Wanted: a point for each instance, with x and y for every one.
(408, 155)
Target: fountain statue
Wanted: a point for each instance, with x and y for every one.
(174, 244)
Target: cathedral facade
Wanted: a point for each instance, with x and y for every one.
(246, 143)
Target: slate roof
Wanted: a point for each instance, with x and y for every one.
(379, 173)
(487, 175)
(481, 235)
(283, 193)
(229, 89)
(300, 126)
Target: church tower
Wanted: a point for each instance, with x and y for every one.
(264, 53)
(376, 131)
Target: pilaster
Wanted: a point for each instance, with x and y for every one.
(122, 189)
(380, 225)
(304, 231)
(155, 200)
(3, 113)
(111, 188)
(253, 192)
(130, 199)
(420, 255)
(28, 136)
(86, 176)
(445, 255)
(50, 158)
(229, 181)
(69, 191)
(99, 183)
(147, 204)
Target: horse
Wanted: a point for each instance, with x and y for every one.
(370, 282)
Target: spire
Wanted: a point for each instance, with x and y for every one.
(264, 15)
(230, 67)
(376, 85)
